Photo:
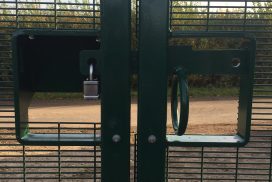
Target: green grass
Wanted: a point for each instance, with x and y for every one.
(196, 92)
(214, 92)
(57, 96)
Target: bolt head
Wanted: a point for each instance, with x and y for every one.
(152, 139)
(31, 37)
(97, 40)
(116, 138)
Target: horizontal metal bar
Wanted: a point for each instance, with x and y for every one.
(263, 96)
(7, 117)
(262, 108)
(263, 62)
(78, 16)
(218, 25)
(265, 119)
(263, 79)
(249, 179)
(262, 85)
(262, 90)
(62, 128)
(42, 155)
(199, 152)
(14, 178)
(47, 122)
(62, 150)
(207, 34)
(37, 22)
(56, 161)
(6, 105)
(261, 113)
(79, 23)
(69, 178)
(2, 63)
(6, 88)
(6, 94)
(192, 162)
(208, 157)
(185, 178)
(222, 0)
(7, 110)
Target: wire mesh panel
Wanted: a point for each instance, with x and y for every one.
(252, 162)
(74, 163)
(43, 163)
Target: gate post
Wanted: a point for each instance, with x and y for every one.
(115, 86)
(153, 44)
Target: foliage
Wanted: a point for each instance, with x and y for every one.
(184, 16)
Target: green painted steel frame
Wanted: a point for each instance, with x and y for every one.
(156, 62)
(153, 54)
(152, 90)
(39, 70)
(207, 62)
(114, 63)
(115, 95)
(115, 86)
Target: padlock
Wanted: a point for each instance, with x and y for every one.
(91, 87)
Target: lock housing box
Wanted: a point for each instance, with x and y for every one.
(239, 62)
(48, 61)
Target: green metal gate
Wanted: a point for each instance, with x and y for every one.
(148, 157)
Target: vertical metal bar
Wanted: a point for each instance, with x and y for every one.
(95, 171)
(135, 157)
(16, 14)
(202, 164)
(137, 18)
(166, 162)
(270, 166)
(171, 15)
(237, 164)
(152, 90)
(245, 16)
(59, 158)
(55, 14)
(115, 86)
(208, 16)
(59, 164)
(24, 164)
(95, 155)
(93, 6)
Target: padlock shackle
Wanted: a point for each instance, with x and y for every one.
(91, 71)
(86, 56)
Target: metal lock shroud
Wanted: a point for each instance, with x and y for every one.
(239, 61)
(50, 61)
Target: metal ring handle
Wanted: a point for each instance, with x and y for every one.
(180, 121)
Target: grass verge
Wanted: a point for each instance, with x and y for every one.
(194, 92)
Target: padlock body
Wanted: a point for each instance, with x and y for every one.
(91, 89)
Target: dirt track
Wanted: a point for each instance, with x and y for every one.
(206, 116)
